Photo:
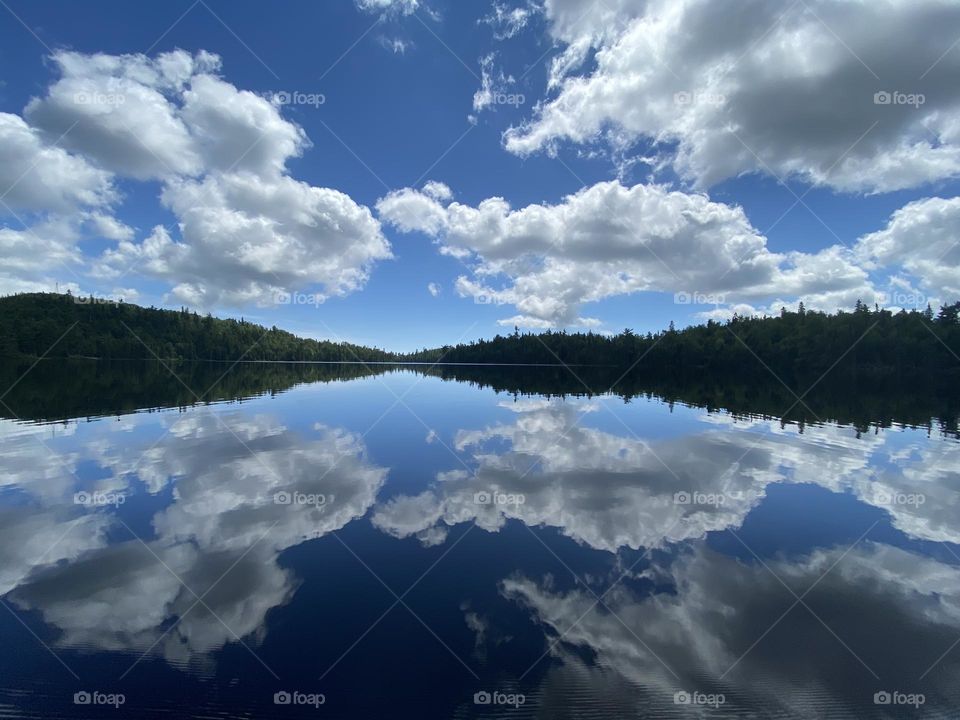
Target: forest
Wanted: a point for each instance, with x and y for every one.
(867, 343)
(63, 325)
(919, 347)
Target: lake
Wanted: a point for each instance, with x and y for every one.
(375, 542)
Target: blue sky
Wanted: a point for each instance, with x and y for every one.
(643, 156)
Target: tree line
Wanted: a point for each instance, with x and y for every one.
(867, 344)
(62, 325)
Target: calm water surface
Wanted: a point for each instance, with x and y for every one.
(397, 545)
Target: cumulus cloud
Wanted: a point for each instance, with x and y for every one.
(246, 238)
(121, 110)
(51, 199)
(247, 230)
(923, 238)
(607, 240)
(32, 256)
(36, 176)
(437, 190)
(855, 96)
(434, 289)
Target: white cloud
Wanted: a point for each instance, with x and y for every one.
(434, 289)
(246, 238)
(607, 240)
(34, 256)
(582, 27)
(398, 46)
(506, 21)
(437, 190)
(924, 238)
(109, 227)
(493, 86)
(401, 7)
(162, 117)
(121, 110)
(776, 87)
(246, 228)
(38, 177)
(236, 130)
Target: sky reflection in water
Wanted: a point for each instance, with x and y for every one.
(587, 555)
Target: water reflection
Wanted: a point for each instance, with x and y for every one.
(697, 531)
(610, 490)
(876, 619)
(244, 488)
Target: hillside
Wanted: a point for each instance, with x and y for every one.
(56, 325)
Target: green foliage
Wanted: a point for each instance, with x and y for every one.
(794, 347)
(55, 325)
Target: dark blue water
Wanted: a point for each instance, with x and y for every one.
(334, 552)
